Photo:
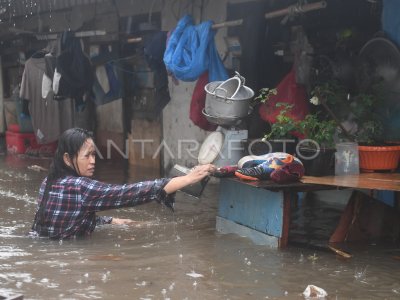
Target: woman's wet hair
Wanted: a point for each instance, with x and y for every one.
(70, 142)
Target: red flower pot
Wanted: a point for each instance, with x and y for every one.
(377, 158)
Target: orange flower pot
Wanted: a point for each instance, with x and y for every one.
(378, 158)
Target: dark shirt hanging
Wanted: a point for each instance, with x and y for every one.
(74, 67)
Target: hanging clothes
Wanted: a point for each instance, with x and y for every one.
(154, 48)
(49, 118)
(73, 76)
(191, 51)
(108, 83)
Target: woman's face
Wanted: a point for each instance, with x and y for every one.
(86, 159)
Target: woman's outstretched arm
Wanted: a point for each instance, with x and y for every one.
(197, 174)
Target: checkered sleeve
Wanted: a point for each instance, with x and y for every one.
(97, 196)
(41, 191)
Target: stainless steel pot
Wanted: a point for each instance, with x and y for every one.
(226, 100)
(224, 121)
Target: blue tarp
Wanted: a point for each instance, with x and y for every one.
(390, 112)
(191, 51)
(391, 20)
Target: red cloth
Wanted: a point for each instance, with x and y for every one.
(288, 91)
(198, 104)
(289, 173)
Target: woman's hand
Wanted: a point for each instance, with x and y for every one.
(196, 174)
(199, 172)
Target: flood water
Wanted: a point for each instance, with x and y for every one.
(175, 255)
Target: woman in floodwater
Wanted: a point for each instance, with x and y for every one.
(69, 198)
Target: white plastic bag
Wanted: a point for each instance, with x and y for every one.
(314, 292)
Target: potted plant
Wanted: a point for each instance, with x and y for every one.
(357, 113)
(317, 150)
(281, 136)
(316, 132)
(374, 153)
(316, 147)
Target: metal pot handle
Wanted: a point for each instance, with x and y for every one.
(226, 99)
(219, 95)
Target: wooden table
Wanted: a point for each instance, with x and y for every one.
(372, 181)
(260, 210)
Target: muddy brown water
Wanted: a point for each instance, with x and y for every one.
(177, 255)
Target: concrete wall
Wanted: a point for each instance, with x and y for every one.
(176, 123)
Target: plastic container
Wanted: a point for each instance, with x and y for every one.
(347, 159)
(25, 143)
(24, 121)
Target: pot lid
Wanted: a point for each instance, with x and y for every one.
(211, 147)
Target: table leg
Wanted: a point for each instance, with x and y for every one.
(287, 197)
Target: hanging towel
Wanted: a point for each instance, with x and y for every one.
(191, 51)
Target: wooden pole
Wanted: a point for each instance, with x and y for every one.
(296, 9)
(228, 24)
(79, 34)
(215, 26)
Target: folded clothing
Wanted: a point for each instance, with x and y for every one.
(250, 161)
(289, 173)
(281, 168)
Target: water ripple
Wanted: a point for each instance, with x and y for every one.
(26, 197)
(9, 251)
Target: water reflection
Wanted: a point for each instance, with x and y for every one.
(176, 255)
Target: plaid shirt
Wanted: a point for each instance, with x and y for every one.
(73, 201)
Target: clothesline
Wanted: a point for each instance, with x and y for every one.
(54, 36)
(215, 26)
(292, 9)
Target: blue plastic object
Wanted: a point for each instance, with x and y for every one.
(390, 20)
(191, 51)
